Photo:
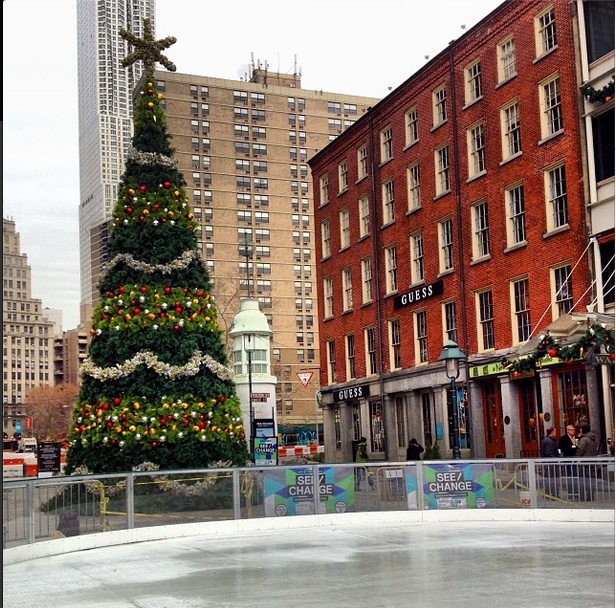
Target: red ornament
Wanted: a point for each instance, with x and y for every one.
(150, 92)
(117, 401)
(156, 206)
(167, 290)
(179, 309)
(121, 289)
(136, 311)
(143, 188)
(129, 210)
(109, 424)
(105, 406)
(163, 421)
(611, 356)
(222, 399)
(552, 352)
(200, 293)
(143, 289)
(167, 185)
(176, 328)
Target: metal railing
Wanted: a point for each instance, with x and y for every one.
(41, 509)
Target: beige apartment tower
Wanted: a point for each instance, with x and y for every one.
(27, 333)
(243, 148)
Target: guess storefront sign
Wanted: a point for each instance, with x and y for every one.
(412, 296)
(354, 392)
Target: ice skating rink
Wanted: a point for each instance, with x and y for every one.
(518, 564)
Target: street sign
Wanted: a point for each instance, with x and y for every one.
(304, 377)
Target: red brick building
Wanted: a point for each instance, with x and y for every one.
(455, 209)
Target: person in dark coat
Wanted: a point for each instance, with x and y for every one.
(568, 443)
(549, 449)
(414, 450)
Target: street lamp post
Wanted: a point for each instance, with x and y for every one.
(249, 347)
(452, 355)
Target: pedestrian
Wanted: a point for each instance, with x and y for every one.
(549, 449)
(414, 450)
(361, 456)
(568, 443)
(587, 447)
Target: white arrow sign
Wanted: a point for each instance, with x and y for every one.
(304, 377)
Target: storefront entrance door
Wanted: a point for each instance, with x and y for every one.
(493, 416)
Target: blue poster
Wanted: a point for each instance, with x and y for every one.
(452, 486)
(291, 491)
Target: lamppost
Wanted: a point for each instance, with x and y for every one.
(249, 347)
(452, 355)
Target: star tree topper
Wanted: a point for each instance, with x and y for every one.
(147, 49)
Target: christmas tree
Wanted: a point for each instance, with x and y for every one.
(155, 386)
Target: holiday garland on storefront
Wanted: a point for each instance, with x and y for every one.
(604, 94)
(597, 338)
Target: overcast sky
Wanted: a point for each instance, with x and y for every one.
(360, 47)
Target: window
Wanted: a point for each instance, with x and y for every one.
(599, 21)
(441, 166)
(439, 102)
(334, 124)
(485, 315)
(473, 82)
(391, 269)
(510, 125)
(326, 239)
(556, 195)
(347, 290)
(521, 310)
(412, 126)
(551, 108)
(481, 234)
(324, 189)
(350, 356)
(345, 229)
(362, 162)
(395, 345)
(562, 284)
(449, 321)
(414, 191)
(240, 96)
(506, 59)
(331, 361)
(366, 280)
(343, 176)
(516, 216)
(388, 202)
(417, 257)
(328, 297)
(476, 150)
(445, 241)
(364, 216)
(545, 32)
(370, 342)
(259, 132)
(387, 151)
(333, 107)
(421, 336)
(603, 144)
